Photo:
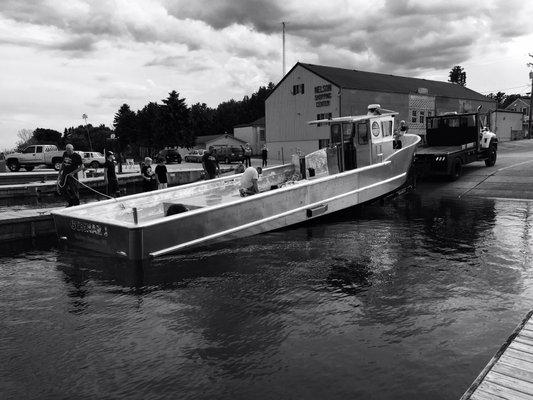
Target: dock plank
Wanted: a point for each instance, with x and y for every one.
(509, 373)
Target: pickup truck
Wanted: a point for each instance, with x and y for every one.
(454, 140)
(35, 155)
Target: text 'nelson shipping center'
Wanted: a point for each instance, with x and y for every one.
(309, 92)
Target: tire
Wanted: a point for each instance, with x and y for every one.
(94, 164)
(186, 159)
(29, 168)
(13, 165)
(491, 160)
(457, 169)
(57, 163)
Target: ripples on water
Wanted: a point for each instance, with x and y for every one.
(403, 301)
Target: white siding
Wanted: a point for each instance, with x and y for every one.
(287, 115)
(289, 148)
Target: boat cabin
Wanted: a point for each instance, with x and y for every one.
(361, 140)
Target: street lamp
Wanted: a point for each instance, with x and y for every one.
(84, 116)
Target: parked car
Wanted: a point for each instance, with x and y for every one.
(195, 155)
(92, 159)
(170, 156)
(228, 154)
(35, 155)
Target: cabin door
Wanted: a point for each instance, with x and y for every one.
(342, 137)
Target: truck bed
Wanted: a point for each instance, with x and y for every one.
(444, 150)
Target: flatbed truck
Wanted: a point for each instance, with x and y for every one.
(452, 141)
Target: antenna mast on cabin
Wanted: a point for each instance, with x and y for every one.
(283, 36)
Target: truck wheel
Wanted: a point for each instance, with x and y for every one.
(57, 165)
(457, 169)
(29, 168)
(13, 165)
(491, 160)
(94, 164)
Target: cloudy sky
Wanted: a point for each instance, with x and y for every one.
(63, 58)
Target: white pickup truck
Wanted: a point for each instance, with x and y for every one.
(34, 155)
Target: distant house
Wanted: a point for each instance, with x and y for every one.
(201, 141)
(224, 140)
(507, 124)
(522, 105)
(252, 133)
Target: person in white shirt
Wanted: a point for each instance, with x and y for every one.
(249, 181)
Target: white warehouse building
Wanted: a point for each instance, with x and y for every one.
(309, 92)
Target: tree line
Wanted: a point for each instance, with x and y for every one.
(156, 125)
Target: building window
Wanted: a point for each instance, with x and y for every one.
(422, 116)
(524, 110)
(298, 89)
(262, 135)
(322, 143)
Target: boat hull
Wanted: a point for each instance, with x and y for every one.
(237, 217)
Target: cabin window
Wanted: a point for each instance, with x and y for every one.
(386, 127)
(362, 133)
(451, 122)
(336, 133)
(39, 149)
(29, 150)
(346, 131)
(322, 143)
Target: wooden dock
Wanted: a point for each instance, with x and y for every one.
(26, 224)
(509, 374)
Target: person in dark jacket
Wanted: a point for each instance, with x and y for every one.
(264, 155)
(210, 164)
(110, 175)
(67, 183)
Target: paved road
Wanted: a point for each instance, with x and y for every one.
(510, 178)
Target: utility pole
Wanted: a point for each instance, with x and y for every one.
(283, 35)
(530, 99)
(84, 116)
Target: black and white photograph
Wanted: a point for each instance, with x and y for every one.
(245, 199)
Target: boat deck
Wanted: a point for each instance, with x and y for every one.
(509, 374)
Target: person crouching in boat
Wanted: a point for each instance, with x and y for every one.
(249, 181)
(67, 184)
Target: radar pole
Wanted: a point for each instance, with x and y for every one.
(283, 36)
(530, 99)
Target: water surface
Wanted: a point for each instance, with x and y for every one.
(408, 300)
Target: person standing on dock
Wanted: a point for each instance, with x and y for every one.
(264, 155)
(110, 175)
(67, 184)
(247, 155)
(249, 181)
(149, 180)
(161, 173)
(210, 163)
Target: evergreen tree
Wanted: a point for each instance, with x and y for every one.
(458, 75)
(175, 118)
(125, 125)
(47, 136)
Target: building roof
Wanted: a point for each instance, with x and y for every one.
(205, 139)
(257, 122)
(521, 99)
(226, 136)
(372, 81)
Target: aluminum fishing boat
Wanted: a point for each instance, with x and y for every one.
(359, 165)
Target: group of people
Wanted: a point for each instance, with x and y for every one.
(153, 178)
